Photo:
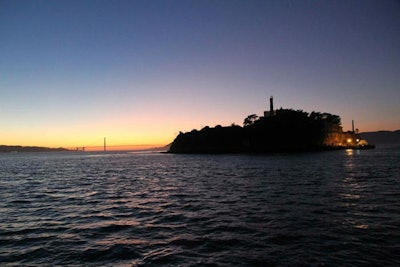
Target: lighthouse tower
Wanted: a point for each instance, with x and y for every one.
(271, 106)
(271, 111)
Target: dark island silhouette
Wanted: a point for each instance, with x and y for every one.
(281, 130)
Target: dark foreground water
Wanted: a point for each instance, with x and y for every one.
(339, 208)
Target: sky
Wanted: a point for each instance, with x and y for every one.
(139, 72)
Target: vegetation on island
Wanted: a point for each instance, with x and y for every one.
(286, 130)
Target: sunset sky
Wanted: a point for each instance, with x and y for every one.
(138, 72)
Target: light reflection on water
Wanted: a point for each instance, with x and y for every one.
(353, 190)
(330, 208)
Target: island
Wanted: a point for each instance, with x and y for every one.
(281, 130)
(9, 149)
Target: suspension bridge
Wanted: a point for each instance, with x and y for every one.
(105, 146)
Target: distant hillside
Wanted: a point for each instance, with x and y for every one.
(163, 148)
(382, 137)
(5, 149)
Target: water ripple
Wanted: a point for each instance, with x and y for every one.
(121, 209)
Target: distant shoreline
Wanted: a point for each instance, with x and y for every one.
(11, 149)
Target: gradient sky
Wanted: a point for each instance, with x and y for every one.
(138, 72)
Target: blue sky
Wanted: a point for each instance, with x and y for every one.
(141, 71)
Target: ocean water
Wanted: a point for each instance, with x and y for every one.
(337, 208)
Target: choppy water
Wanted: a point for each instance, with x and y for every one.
(339, 208)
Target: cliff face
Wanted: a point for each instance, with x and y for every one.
(285, 131)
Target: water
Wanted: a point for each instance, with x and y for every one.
(339, 208)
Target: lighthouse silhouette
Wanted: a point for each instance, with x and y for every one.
(271, 111)
(271, 106)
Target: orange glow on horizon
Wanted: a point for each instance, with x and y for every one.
(131, 130)
(117, 143)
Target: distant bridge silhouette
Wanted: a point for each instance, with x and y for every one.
(106, 147)
(113, 147)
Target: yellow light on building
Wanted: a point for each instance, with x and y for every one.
(349, 140)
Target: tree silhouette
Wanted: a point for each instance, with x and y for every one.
(250, 120)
